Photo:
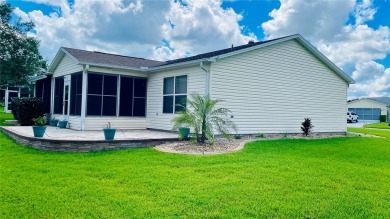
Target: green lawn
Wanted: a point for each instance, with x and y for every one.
(381, 125)
(336, 178)
(4, 116)
(378, 132)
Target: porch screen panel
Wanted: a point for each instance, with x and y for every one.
(139, 106)
(126, 97)
(58, 94)
(75, 94)
(102, 94)
(132, 96)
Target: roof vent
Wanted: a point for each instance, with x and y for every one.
(251, 42)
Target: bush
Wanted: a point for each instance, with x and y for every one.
(382, 118)
(306, 126)
(259, 135)
(25, 109)
(237, 136)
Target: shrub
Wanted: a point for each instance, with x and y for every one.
(259, 135)
(237, 136)
(27, 108)
(203, 116)
(382, 118)
(306, 126)
(40, 121)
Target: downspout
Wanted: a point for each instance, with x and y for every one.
(84, 98)
(207, 80)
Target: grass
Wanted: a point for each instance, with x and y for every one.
(378, 132)
(333, 178)
(381, 125)
(5, 116)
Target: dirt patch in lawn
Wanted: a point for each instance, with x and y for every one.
(227, 146)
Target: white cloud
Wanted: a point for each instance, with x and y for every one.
(353, 47)
(21, 14)
(137, 28)
(199, 26)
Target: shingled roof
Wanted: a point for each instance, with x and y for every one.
(94, 57)
(383, 100)
(220, 52)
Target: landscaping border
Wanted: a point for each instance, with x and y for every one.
(82, 145)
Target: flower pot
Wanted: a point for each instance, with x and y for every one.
(109, 133)
(39, 131)
(54, 122)
(62, 124)
(183, 132)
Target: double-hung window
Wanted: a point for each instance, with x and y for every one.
(175, 94)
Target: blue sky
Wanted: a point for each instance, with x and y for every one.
(354, 34)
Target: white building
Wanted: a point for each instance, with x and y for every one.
(370, 109)
(269, 86)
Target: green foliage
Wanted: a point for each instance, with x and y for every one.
(237, 136)
(40, 121)
(205, 118)
(383, 118)
(27, 108)
(306, 126)
(259, 135)
(5, 116)
(300, 178)
(19, 54)
(382, 125)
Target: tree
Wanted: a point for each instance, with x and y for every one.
(204, 118)
(19, 54)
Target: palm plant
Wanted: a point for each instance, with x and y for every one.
(204, 118)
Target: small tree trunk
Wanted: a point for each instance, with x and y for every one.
(203, 137)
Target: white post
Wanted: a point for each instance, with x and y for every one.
(84, 97)
(6, 100)
(52, 95)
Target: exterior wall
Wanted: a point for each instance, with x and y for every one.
(100, 122)
(67, 65)
(272, 90)
(195, 84)
(368, 104)
(119, 72)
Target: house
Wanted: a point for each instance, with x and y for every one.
(269, 86)
(370, 109)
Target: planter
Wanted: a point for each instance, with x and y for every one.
(109, 133)
(54, 122)
(183, 132)
(39, 131)
(62, 124)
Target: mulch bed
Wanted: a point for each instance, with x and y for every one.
(225, 146)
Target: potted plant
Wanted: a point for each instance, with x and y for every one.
(39, 127)
(109, 133)
(62, 124)
(54, 121)
(183, 133)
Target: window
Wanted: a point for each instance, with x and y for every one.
(58, 94)
(174, 92)
(75, 93)
(102, 94)
(132, 96)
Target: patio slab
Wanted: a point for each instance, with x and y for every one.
(67, 140)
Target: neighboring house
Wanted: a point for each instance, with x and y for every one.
(269, 86)
(370, 109)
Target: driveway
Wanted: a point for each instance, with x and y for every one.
(359, 124)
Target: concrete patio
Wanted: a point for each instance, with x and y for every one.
(67, 140)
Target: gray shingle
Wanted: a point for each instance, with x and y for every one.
(110, 59)
(384, 100)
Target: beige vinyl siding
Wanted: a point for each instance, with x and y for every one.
(99, 122)
(67, 66)
(272, 90)
(368, 104)
(195, 84)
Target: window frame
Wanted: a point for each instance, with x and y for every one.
(174, 93)
(118, 95)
